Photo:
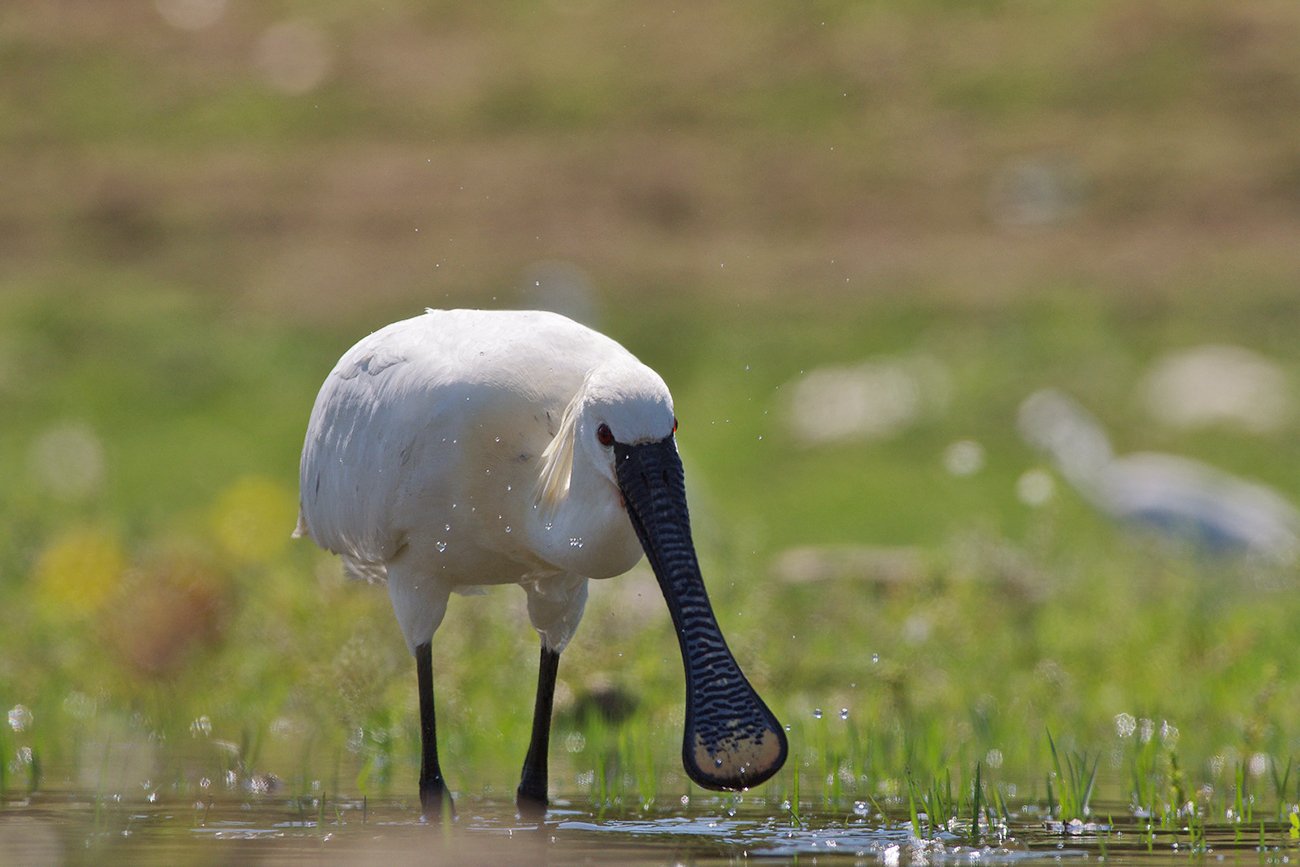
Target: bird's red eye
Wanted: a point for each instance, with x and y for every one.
(674, 424)
(604, 435)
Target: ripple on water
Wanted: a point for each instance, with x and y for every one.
(180, 828)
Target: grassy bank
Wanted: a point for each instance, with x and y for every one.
(960, 626)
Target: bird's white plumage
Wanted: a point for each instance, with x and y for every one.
(458, 448)
(1175, 494)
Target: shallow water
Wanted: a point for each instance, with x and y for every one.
(53, 828)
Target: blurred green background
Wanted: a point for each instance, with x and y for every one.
(852, 236)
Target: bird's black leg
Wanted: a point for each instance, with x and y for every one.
(531, 797)
(434, 797)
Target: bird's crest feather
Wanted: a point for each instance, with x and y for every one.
(557, 461)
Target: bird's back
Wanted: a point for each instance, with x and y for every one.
(420, 409)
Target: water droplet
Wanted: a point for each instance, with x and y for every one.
(447, 527)
(860, 808)
(20, 718)
(575, 542)
(441, 546)
(875, 657)
(817, 713)
(844, 713)
(717, 763)
(498, 439)
(507, 528)
(509, 487)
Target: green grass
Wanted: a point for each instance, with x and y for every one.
(1075, 780)
(980, 648)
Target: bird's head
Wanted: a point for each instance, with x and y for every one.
(627, 405)
(622, 424)
(619, 403)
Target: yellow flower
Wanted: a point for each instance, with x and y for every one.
(252, 519)
(77, 571)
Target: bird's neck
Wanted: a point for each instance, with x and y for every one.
(587, 531)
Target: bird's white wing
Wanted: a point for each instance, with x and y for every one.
(388, 421)
(360, 433)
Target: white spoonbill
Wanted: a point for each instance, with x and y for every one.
(472, 447)
(1171, 494)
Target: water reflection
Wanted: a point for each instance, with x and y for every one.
(47, 828)
(52, 828)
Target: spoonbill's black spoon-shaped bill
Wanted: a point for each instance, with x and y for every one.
(467, 447)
